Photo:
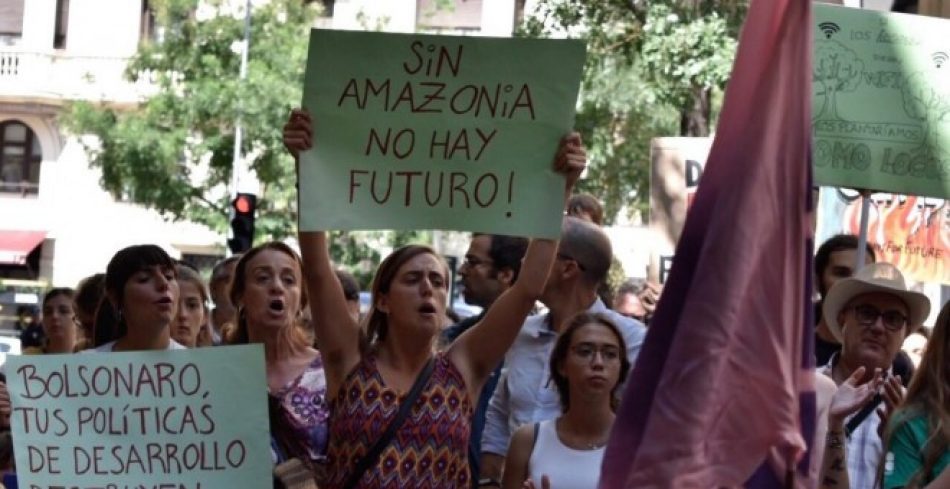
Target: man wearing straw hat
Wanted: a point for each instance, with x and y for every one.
(870, 314)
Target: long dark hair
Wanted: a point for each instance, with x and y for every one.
(125, 263)
(560, 352)
(377, 325)
(929, 396)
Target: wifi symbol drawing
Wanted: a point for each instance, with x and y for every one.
(940, 58)
(829, 28)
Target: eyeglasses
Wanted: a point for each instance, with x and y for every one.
(471, 261)
(586, 352)
(867, 316)
(562, 256)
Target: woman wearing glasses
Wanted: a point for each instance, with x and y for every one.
(588, 365)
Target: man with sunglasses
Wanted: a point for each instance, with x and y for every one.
(870, 314)
(525, 393)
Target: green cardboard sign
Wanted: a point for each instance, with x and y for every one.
(881, 106)
(183, 419)
(436, 132)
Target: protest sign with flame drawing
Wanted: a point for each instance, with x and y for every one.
(911, 232)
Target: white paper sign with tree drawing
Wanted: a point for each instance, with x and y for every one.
(881, 105)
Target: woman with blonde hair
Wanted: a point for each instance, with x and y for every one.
(269, 295)
(192, 307)
(917, 438)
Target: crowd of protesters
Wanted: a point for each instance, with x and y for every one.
(523, 394)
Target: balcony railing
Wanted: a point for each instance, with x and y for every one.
(66, 77)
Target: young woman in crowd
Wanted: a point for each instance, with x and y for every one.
(89, 293)
(59, 321)
(192, 307)
(142, 287)
(588, 366)
(269, 295)
(370, 372)
(917, 438)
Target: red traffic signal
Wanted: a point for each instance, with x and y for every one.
(242, 223)
(244, 203)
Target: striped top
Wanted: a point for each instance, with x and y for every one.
(430, 449)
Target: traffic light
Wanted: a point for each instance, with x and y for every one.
(242, 222)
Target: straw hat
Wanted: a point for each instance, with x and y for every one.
(875, 277)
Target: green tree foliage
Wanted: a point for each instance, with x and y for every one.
(654, 68)
(174, 151)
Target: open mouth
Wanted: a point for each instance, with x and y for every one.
(165, 302)
(276, 305)
(427, 309)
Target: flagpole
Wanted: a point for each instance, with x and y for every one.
(863, 235)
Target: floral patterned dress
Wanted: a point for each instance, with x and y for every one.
(304, 405)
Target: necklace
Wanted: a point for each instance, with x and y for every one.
(578, 444)
(594, 446)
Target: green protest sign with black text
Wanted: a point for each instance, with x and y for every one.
(194, 419)
(436, 132)
(881, 106)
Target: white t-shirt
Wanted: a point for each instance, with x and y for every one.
(108, 347)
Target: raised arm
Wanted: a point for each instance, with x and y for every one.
(338, 335)
(479, 350)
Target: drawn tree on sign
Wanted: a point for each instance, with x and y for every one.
(836, 69)
(925, 102)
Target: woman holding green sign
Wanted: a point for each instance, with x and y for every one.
(399, 413)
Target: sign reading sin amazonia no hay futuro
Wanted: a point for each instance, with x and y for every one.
(417, 131)
(881, 106)
(193, 419)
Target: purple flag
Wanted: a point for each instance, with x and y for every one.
(724, 385)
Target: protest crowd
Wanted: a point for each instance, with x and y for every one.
(506, 398)
(525, 394)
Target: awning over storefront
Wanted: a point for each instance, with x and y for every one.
(16, 245)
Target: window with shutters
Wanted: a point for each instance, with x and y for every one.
(11, 18)
(62, 22)
(20, 159)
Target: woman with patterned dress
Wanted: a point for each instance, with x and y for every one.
(370, 372)
(269, 295)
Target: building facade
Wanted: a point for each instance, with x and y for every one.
(57, 225)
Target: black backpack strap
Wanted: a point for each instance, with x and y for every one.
(372, 456)
(862, 415)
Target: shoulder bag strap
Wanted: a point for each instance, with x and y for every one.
(534, 442)
(372, 456)
(859, 418)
